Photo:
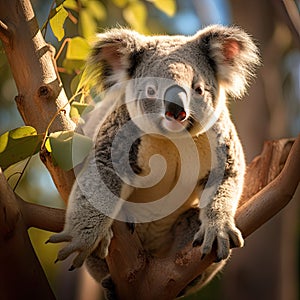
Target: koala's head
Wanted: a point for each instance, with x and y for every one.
(176, 83)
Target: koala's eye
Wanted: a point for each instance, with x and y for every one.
(199, 90)
(151, 92)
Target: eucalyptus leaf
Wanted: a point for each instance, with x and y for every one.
(78, 49)
(69, 148)
(74, 114)
(82, 108)
(18, 144)
(71, 4)
(57, 22)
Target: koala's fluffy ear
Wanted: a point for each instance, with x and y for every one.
(114, 56)
(232, 55)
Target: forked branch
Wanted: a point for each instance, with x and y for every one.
(138, 275)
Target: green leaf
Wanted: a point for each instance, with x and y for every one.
(74, 114)
(57, 22)
(69, 148)
(97, 10)
(166, 6)
(78, 49)
(135, 14)
(18, 144)
(82, 108)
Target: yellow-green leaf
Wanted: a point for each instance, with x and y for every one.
(74, 114)
(71, 4)
(48, 146)
(78, 49)
(69, 148)
(135, 14)
(57, 22)
(22, 132)
(166, 6)
(18, 144)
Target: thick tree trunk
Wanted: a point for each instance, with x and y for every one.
(40, 97)
(40, 92)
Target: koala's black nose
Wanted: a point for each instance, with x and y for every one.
(174, 98)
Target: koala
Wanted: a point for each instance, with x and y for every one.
(164, 143)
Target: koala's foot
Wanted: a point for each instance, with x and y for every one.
(223, 233)
(83, 241)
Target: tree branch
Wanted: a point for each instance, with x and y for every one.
(21, 276)
(138, 275)
(274, 197)
(42, 217)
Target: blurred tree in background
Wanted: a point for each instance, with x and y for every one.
(268, 266)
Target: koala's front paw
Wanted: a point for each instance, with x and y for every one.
(224, 234)
(84, 242)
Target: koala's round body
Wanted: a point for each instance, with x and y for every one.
(164, 144)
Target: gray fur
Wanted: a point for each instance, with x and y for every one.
(206, 68)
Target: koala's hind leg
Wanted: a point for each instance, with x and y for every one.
(98, 269)
(97, 266)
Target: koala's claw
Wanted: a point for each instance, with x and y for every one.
(72, 268)
(236, 238)
(59, 237)
(224, 238)
(82, 245)
(131, 227)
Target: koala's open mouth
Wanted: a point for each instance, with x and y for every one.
(174, 111)
(175, 99)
